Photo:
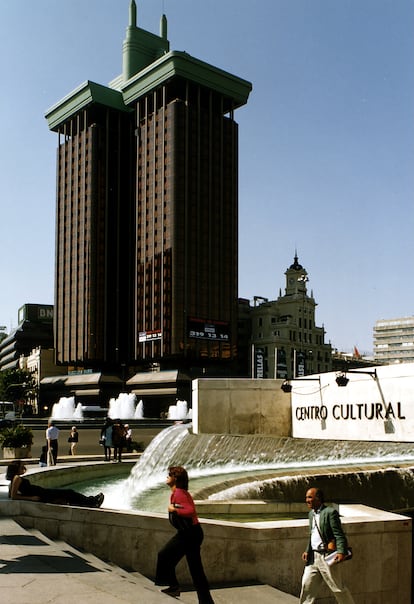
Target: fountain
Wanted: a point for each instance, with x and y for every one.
(178, 411)
(123, 407)
(279, 468)
(65, 409)
(139, 410)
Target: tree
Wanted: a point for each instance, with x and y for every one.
(16, 384)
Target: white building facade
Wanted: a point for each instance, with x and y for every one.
(394, 340)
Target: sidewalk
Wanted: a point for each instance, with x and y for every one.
(36, 570)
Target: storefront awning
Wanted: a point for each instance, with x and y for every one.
(81, 379)
(154, 391)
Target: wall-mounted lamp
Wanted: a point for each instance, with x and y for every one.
(342, 380)
(287, 386)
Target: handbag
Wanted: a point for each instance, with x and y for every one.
(181, 523)
(102, 440)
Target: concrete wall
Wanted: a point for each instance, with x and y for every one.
(266, 552)
(241, 406)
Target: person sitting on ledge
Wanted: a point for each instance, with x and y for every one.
(21, 488)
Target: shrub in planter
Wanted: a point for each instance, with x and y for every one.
(18, 439)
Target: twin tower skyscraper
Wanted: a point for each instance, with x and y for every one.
(147, 212)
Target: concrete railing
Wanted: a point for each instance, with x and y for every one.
(267, 552)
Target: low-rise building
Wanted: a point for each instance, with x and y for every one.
(39, 363)
(394, 340)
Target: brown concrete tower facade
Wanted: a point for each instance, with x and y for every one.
(147, 206)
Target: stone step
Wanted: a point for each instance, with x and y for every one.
(33, 565)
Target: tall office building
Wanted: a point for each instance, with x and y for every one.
(147, 211)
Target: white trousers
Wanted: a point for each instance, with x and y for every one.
(320, 572)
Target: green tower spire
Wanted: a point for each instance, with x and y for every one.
(141, 48)
(163, 27)
(133, 14)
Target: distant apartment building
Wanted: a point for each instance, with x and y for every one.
(286, 342)
(40, 362)
(35, 328)
(394, 340)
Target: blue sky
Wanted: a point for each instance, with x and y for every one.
(326, 140)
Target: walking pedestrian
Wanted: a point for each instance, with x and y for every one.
(186, 542)
(324, 528)
(52, 435)
(73, 440)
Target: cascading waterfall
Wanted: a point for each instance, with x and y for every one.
(388, 488)
(292, 464)
(150, 469)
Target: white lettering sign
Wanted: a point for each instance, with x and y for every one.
(372, 406)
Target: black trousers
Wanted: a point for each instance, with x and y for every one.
(184, 543)
(118, 452)
(64, 497)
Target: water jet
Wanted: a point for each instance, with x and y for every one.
(65, 409)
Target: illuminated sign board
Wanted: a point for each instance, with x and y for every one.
(208, 330)
(149, 336)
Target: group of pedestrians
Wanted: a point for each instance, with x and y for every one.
(49, 454)
(117, 436)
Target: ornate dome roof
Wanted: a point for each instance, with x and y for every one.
(296, 266)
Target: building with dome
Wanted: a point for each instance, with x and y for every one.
(286, 342)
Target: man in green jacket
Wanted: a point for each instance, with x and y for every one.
(324, 527)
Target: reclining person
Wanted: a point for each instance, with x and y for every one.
(21, 488)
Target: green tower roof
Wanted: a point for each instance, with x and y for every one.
(147, 64)
(181, 64)
(86, 94)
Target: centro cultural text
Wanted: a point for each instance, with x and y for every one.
(356, 411)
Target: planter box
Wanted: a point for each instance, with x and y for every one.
(17, 453)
